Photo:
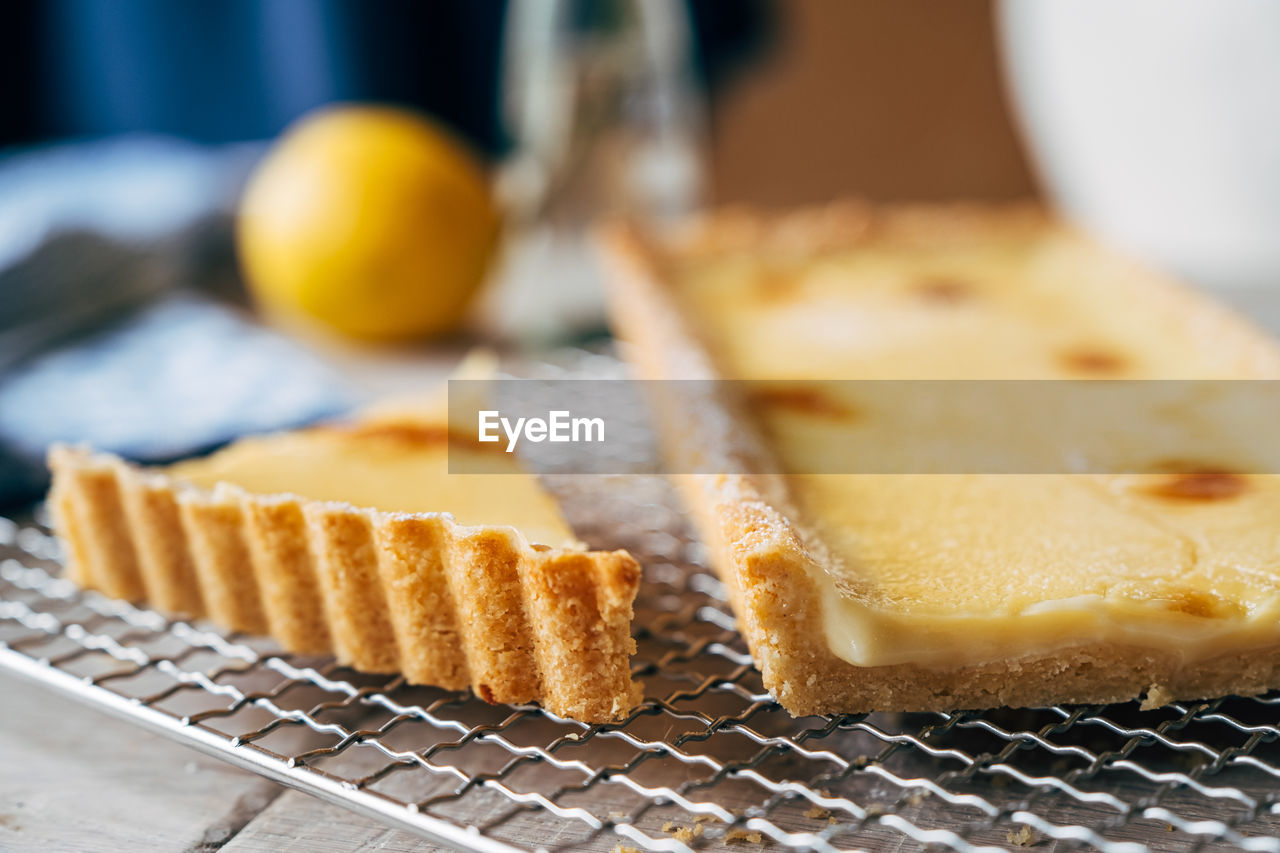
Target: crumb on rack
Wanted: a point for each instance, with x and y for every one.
(1024, 837)
(622, 848)
(818, 813)
(683, 834)
(915, 798)
(743, 835)
(1157, 697)
(686, 834)
(573, 736)
(705, 818)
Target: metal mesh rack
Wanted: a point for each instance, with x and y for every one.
(709, 761)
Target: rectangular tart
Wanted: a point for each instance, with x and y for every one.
(354, 539)
(914, 592)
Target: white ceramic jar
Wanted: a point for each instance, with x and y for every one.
(1156, 125)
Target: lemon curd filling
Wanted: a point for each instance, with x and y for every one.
(951, 569)
(396, 463)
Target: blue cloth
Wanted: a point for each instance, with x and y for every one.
(182, 375)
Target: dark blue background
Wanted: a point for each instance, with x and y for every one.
(221, 70)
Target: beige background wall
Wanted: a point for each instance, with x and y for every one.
(888, 99)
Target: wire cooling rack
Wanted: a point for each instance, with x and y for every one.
(709, 761)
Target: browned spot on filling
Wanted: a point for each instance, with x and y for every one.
(1189, 600)
(774, 285)
(404, 432)
(1195, 603)
(1201, 485)
(810, 401)
(777, 281)
(944, 291)
(1092, 360)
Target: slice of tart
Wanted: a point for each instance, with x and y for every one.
(354, 539)
(861, 592)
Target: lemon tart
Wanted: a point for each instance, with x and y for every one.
(861, 592)
(354, 539)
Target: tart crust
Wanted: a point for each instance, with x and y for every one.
(757, 542)
(417, 593)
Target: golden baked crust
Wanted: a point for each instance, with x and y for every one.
(418, 593)
(768, 559)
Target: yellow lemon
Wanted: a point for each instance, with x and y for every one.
(371, 220)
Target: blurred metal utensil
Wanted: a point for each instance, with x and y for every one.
(74, 282)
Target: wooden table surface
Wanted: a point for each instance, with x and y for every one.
(73, 779)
